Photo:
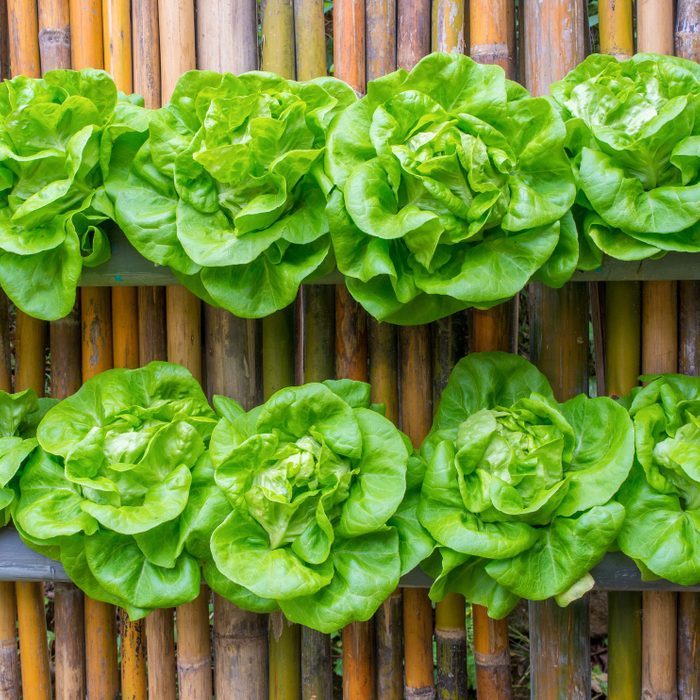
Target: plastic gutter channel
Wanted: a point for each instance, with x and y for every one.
(616, 572)
(126, 267)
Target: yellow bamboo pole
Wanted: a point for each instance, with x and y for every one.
(102, 674)
(317, 311)
(69, 606)
(449, 26)
(554, 42)
(659, 354)
(116, 17)
(30, 348)
(622, 363)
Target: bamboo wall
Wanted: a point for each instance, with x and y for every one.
(410, 649)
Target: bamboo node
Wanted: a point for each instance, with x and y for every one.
(501, 658)
(55, 37)
(456, 634)
(490, 53)
(419, 693)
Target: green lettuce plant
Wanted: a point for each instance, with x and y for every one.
(662, 495)
(634, 135)
(453, 190)
(518, 489)
(118, 489)
(314, 481)
(52, 206)
(227, 185)
(19, 415)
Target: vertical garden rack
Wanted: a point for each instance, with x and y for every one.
(643, 318)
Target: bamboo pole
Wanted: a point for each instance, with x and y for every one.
(622, 361)
(317, 333)
(449, 25)
(227, 34)
(560, 643)
(102, 676)
(184, 321)
(622, 365)
(415, 390)
(116, 15)
(54, 34)
(492, 40)
(64, 343)
(687, 45)
(30, 348)
(659, 354)
(383, 351)
(351, 333)
(449, 33)
(9, 659)
(318, 303)
(159, 625)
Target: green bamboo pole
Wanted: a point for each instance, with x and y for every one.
(277, 17)
(623, 365)
(687, 45)
(317, 331)
(554, 42)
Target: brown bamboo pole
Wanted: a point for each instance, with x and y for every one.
(159, 625)
(383, 351)
(351, 333)
(415, 388)
(659, 354)
(9, 659)
(388, 622)
(65, 345)
(622, 365)
(54, 34)
(227, 34)
(30, 348)
(318, 314)
(687, 45)
(116, 16)
(449, 33)
(184, 322)
(492, 40)
(560, 645)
